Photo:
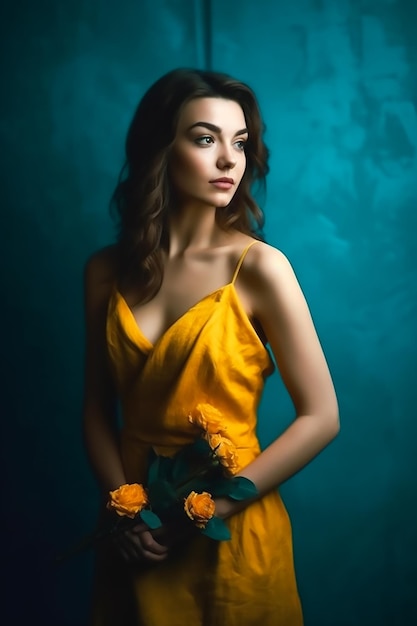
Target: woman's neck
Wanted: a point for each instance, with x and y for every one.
(192, 229)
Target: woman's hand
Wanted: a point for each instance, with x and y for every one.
(138, 544)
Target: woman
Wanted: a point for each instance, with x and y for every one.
(179, 312)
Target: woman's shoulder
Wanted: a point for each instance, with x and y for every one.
(265, 260)
(101, 264)
(266, 270)
(100, 272)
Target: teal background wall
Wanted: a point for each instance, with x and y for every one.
(336, 80)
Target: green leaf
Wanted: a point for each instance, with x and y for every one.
(221, 487)
(161, 495)
(237, 488)
(150, 518)
(180, 469)
(242, 488)
(200, 447)
(216, 529)
(159, 468)
(196, 456)
(153, 468)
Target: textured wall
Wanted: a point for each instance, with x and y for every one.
(336, 82)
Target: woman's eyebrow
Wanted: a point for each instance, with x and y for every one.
(216, 129)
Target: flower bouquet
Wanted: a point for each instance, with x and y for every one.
(181, 487)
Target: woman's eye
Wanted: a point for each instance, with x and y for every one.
(241, 144)
(204, 141)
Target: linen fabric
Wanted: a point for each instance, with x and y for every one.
(211, 354)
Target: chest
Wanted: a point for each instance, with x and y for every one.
(186, 282)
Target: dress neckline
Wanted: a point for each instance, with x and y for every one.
(151, 345)
(143, 343)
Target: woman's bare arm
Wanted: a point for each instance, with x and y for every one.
(100, 403)
(99, 411)
(278, 304)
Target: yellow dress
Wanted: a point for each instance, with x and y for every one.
(211, 354)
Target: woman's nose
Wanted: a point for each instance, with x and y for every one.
(226, 160)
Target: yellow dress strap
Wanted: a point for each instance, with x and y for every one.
(241, 259)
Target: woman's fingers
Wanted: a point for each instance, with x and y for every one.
(150, 545)
(140, 545)
(139, 528)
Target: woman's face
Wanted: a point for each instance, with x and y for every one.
(207, 159)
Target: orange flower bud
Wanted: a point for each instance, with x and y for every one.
(128, 500)
(199, 507)
(224, 450)
(207, 417)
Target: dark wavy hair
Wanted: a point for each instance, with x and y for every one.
(143, 195)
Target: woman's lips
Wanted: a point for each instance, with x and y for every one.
(223, 183)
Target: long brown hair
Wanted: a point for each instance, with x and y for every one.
(143, 194)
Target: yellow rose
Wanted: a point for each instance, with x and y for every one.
(207, 417)
(199, 507)
(128, 500)
(224, 450)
